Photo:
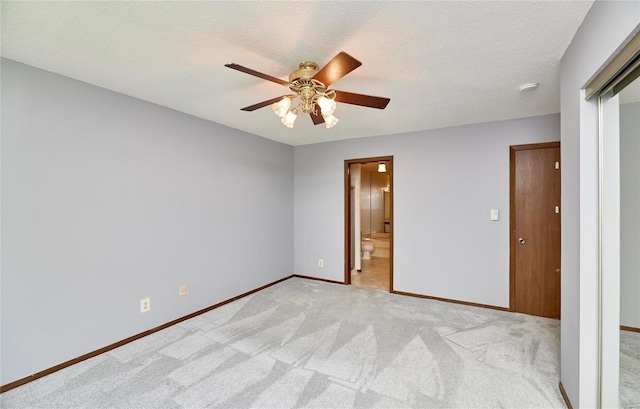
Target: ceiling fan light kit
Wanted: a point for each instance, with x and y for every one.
(327, 106)
(281, 107)
(330, 120)
(290, 118)
(310, 91)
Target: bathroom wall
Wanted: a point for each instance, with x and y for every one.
(372, 199)
(356, 220)
(107, 199)
(365, 202)
(379, 181)
(445, 183)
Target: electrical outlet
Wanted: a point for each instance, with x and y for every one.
(320, 262)
(183, 290)
(145, 304)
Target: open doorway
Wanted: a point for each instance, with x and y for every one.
(369, 222)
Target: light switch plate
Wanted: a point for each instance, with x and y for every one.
(495, 214)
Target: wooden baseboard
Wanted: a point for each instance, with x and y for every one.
(493, 307)
(318, 279)
(564, 395)
(472, 304)
(20, 382)
(632, 329)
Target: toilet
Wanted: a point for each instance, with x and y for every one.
(367, 248)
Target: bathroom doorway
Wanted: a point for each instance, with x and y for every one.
(369, 222)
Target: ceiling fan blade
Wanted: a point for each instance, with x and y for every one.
(317, 118)
(256, 73)
(341, 65)
(261, 104)
(362, 100)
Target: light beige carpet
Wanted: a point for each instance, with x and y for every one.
(309, 344)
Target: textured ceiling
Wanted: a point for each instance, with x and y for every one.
(441, 63)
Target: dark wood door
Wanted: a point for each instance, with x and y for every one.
(535, 229)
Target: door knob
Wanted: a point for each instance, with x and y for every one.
(521, 240)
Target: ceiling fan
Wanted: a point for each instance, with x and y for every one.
(310, 85)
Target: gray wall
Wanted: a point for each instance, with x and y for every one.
(604, 30)
(630, 214)
(446, 181)
(107, 200)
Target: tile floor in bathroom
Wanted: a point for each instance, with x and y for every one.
(375, 272)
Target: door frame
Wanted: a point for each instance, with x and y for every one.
(512, 213)
(347, 214)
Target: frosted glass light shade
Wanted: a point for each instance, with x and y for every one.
(289, 119)
(327, 106)
(330, 120)
(281, 107)
(382, 167)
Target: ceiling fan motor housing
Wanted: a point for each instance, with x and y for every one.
(306, 71)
